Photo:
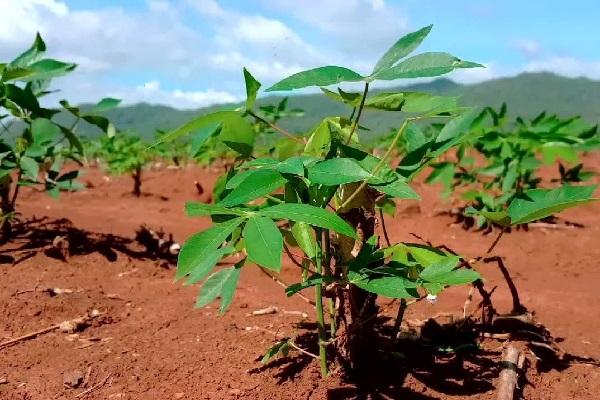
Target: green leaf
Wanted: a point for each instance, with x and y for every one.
(395, 287)
(31, 55)
(312, 215)
(403, 47)
(252, 86)
(302, 233)
(337, 171)
(424, 65)
(238, 134)
(105, 104)
(256, 184)
(319, 140)
(199, 245)
(313, 280)
(46, 69)
(198, 123)
(454, 132)
(441, 274)
(412, 102)
(264, 242)
(535, 204)
(399, 189)
(322, 76)
(207, 263)
(282, 347)
(220, 284)
(195, 209)
(29, 167)
(44, 131)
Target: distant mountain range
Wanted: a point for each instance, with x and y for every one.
(526, 95)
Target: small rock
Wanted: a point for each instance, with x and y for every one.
(116, 396)
(3, 380)
(179, 395)
(235, 392)
(73, 379)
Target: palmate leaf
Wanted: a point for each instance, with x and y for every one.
(264, 242)
(392, 286)
(322, 76)
(220, 284)
(196, 209)
(398, 188)
(536, 204)
(337, 171)
(43, 70)
(412, 102)
(424, 65)
(37, 49)
(282, 347)
(200, 245)
(44, 131)
(256, 184)
(206, 264)
(206, 120)
(403, 47)
(446, 274)
(312, 215)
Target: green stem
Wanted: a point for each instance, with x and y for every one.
(332, 320)
(360, 109)
(305, 264)
(277, 128)
(328, 273)
(378, 165)
(319, 307)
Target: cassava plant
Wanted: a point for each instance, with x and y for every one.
(323, 201)
(500, 160)
(34, 145)
(126, 153)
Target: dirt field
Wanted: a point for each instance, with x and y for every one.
(150, 343)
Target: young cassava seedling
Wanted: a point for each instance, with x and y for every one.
(126, 153)
(323, 199)
(35, 145)
(512, 155)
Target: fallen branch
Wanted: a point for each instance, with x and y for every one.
(90, 390)
(65, 326)
(509, 375)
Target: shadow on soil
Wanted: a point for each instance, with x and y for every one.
(446, 358)
(59, 239)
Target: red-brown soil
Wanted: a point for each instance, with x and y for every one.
(152, 344)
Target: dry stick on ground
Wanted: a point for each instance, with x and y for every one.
(51, 328)
(509, 375)
(285, 285)
(98, 386)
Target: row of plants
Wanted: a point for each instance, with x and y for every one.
(34, 146)
(321, 192)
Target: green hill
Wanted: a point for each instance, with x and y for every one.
(526, 94)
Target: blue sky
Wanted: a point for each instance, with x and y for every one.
(189, 53)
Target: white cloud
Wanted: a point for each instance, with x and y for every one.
(528, 47)
(566, 66)
(357, 28)
(151, 92)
